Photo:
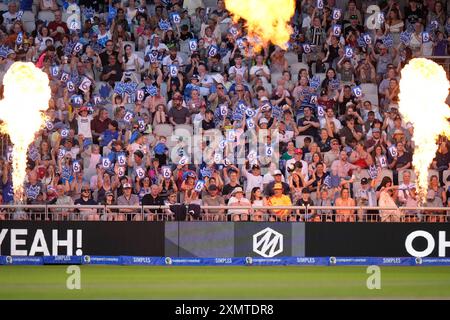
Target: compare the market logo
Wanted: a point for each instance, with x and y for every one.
(268, 243)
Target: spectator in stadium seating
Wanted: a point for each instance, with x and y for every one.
(345, 215)
(436, 197)
(238, 199)
(231, 175)
(153, 199)
(279, 199)
(128, 199)
(112, 72)
(306, 201)
(86, 199)
(100, 124)
(278, 177)
(213, 198)
(309, 124)
(178, 114)
(405, 189)
(342, 166)
(387, 195)
(366, 197)
(63, 200)
(442, 160)
(351, 131)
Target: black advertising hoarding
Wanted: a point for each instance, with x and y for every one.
(36, 238)
(224, 239)
(378, 239)
(240, 239)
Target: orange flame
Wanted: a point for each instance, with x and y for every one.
(26, 97)
(266, 20)
(423, 91)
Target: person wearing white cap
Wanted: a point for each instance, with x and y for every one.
(278, 178)
(237, 199)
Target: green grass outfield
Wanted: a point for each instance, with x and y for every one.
(139, 282)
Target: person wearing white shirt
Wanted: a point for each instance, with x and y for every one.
(298, 157)
(155, 44)
(172, 58)
(11, 15)
(330, 117)
(260, 70)
(254, 179)
(405, 187)
(238, 199)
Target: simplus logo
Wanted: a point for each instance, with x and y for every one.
(268, 243)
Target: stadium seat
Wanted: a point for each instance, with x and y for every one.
(140, 55)
(46, 16)
(29, 26)
(432, 172)
(291, 57)
(446, 175)
(296, 67)
(387, 173)
(373, 98)
(163, 130)
(363, 174)
(188, 128)
(275, 77)
(210, 4)
(28, 16)
(369, 88)
(299, 141)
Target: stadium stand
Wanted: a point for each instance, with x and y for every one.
(187, 69)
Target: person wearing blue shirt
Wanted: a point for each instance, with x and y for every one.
(109, 134)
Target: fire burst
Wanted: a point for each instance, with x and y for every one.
(423, 91)
(26, 97)
(267, 20)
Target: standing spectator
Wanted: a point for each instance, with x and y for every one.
(178, 114)
(254, 179)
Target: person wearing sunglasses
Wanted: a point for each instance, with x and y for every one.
(86, 200)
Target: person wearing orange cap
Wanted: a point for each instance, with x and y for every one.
(279, 199)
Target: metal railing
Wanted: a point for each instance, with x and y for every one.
(224, 213)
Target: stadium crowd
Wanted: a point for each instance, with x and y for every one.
(131, 81)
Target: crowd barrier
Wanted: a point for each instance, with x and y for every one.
(220, 239)
(225, 213)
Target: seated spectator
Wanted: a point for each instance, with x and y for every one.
(345, 215)
(306, 201)
(279, 199)
(237, 199)
(153, 199)
(214, 199)
(86, 199)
